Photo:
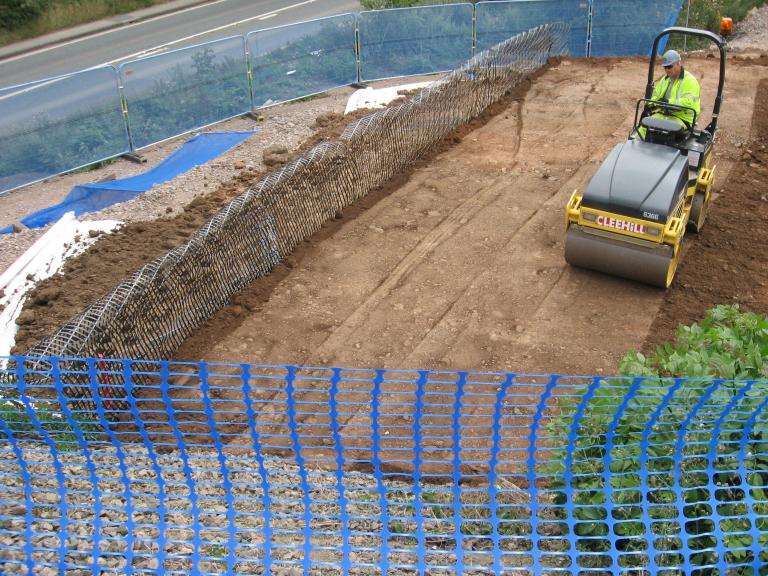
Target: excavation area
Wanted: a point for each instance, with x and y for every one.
(457, 264)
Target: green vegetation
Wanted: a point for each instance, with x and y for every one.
(22, 19)
(383, 4)
(706, 14)
(50, 421)
(727, 344)
(662, 450)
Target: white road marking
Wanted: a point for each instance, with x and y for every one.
(263, 16)
(103, 33)
(155, 49)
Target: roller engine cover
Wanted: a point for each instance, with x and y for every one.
(639, 179)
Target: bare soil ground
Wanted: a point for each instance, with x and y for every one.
(458, 264)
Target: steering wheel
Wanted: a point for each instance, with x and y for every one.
(656, 106)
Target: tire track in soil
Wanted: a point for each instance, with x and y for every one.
(555, 199)
(456, 219)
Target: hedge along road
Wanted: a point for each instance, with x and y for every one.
(192, 25)
(461, 267)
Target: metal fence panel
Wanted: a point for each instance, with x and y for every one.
(297, 60)
(244, 469)
(498, 20)
(411, 41)
(173, 93)
(59, 124)
(627, 27)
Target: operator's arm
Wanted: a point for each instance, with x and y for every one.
(690, 93)
(658, 92)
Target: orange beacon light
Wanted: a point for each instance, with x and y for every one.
(726, 26)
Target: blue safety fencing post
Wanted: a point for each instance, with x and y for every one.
(183, 90)
(303, 59)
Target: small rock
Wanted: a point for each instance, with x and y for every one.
(326, 119)
(17, 510)
(239, 165)
(275, 155)
(46, 295)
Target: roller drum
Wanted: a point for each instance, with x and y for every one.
(650, 265)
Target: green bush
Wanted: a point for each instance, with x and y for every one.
(643, 449)
(727, 344)
(15, 13)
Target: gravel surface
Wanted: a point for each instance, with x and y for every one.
(285, 125)
(165, 511)
(752, 32)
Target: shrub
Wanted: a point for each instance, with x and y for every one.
(15, 13)
(727, 344)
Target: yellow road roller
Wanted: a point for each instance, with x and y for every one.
(631, 218)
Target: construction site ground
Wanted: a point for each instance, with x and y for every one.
(458, 264)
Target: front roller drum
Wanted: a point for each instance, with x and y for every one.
(648, 264)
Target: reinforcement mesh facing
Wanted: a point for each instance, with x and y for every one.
(285, 470)
(151, 312)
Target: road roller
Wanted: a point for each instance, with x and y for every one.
(631, 218)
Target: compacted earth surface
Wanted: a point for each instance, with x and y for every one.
(456, 264)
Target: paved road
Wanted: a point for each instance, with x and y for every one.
(195, 25)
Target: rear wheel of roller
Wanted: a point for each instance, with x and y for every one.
(698, 212)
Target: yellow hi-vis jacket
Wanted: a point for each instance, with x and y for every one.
(685, 91)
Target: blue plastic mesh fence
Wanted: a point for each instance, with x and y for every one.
(59, 124)
(302, 59)
(498, 19)
(411, 41)
(628, 27)
(175, 92)
(243, 469)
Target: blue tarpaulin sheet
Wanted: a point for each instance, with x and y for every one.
(92, 197)
(6, 230)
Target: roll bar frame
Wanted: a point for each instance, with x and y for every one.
(717, 39)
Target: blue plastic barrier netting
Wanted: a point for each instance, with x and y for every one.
(628, 27)
(115, 467)
(499, 20)
(59, 124)
(302, 59)
(93, 197)
(411, 41)
(186, 89)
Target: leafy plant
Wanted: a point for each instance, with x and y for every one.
(643, 451)
(727, 344)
